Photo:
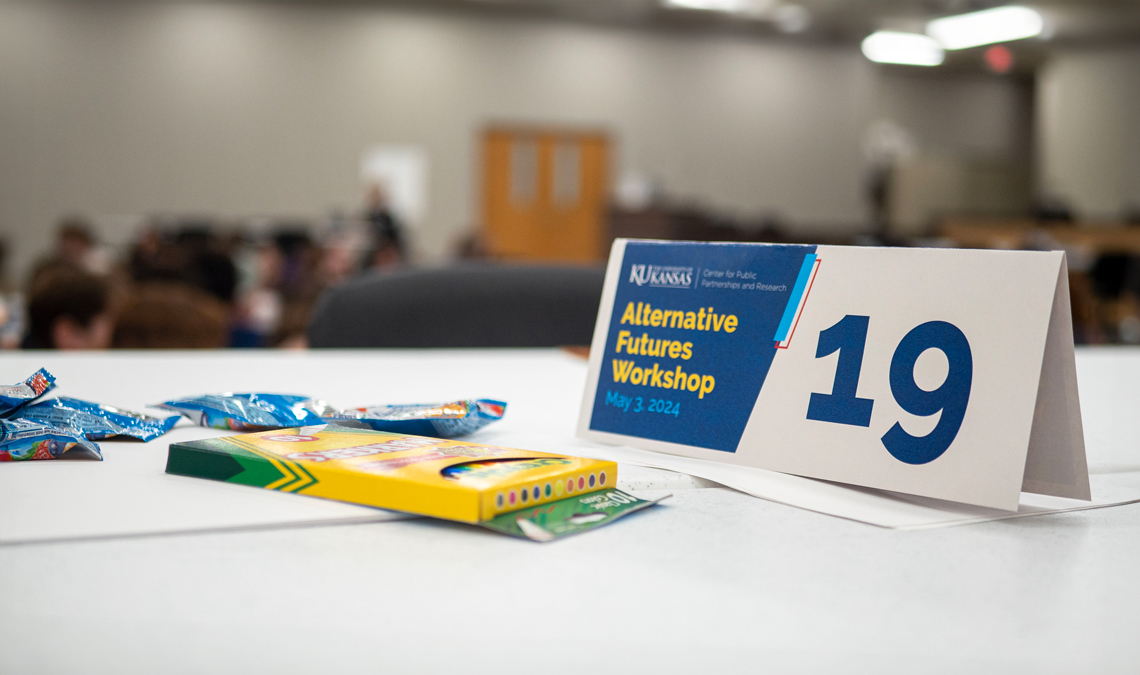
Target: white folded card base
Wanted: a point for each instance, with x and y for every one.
(941, 373)
(882, 508)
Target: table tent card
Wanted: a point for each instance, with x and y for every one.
(943, 373)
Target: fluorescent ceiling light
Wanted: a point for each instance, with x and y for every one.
(750, 8)
(710, 5)
(988, 26)
(908, 49)
(791, 18)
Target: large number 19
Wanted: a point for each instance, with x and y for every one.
(849, 337)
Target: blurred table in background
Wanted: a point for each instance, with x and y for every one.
(1104, 267)
(674, 225)
(1016, 234)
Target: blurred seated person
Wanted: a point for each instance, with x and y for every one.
(75, 246)
(194, 256)
(472, 247)
(299, 258)
(386, 255)
(11, 306)
(1132, 214)
(166, 315)
(208, 265)
(258, 311)
(340, 254)
(68, 309)
(154, 257)
(388, 248)
(289, 274)
(290, 333)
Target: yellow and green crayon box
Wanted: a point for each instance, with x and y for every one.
(443, 478)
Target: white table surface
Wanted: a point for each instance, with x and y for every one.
(710, 580)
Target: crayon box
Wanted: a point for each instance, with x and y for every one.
(443, 478)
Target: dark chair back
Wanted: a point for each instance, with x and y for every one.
(469, 305)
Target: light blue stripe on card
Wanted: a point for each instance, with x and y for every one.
(794, 300)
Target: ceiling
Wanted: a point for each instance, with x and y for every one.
(1070, 21)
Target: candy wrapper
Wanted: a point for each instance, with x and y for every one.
(569, 516)
(16, 396)
(446, 420)
(249, 412)
(96, 421)
(25, 439)
(259, 412)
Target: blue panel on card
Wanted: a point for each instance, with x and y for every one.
(693, 333)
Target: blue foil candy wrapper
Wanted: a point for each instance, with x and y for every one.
(16, 396)
(442, 420)
(95, 420)
(249, 412)
(22, 439)
(258, 412)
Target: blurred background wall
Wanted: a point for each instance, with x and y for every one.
(245, 109)
(1089, 131)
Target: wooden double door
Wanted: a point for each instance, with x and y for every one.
(545, 194)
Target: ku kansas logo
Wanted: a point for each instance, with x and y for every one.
(661, 277)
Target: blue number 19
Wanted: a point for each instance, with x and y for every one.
(849, 337)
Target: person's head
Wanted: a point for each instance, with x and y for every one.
(386, 255)
(376, 198)
(165, 315)
(214, 273)
(75, 241)
(269, 266)
(337, 263)
(3, 264)
(68, 309)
